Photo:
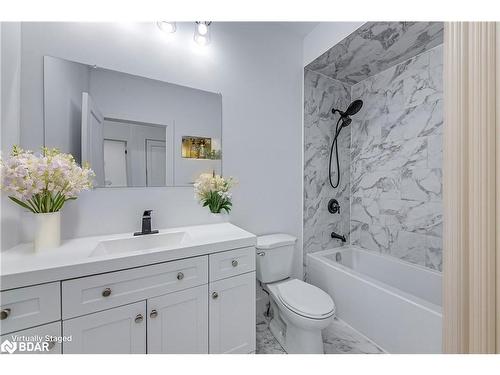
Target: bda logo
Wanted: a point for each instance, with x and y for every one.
(9, 347)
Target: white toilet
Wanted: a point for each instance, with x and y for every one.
(300, 310)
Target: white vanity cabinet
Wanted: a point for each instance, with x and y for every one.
(172, 312)
(201, 304)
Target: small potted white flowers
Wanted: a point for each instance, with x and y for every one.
(42, 184)
(212, 191)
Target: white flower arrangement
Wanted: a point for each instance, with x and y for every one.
(213, 191)
(43, 183)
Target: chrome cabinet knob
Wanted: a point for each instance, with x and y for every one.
(139, 318)
(4, 314)
(215, 295)
(106, 292)
(153, 314)
(180, 276)
(234, 263)
(51, 345)
(261, 253)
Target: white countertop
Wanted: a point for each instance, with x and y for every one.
(21, 266)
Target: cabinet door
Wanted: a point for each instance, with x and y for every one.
(38, 340)
(121, 330)
(232, 314)
(178, 322)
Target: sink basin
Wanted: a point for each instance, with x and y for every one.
(163, 241)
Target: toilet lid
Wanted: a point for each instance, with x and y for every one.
(305, 299)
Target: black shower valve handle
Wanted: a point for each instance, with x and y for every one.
(334, 206)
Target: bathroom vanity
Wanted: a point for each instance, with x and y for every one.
(183, 290)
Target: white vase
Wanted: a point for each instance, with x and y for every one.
(220, 218)
(47, 231)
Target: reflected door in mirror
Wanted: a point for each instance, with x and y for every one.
(156, 163)
(115, 163)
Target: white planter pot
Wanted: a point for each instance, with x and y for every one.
(47, 231)
(220, 218)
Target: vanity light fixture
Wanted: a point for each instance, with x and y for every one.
(167, 27)
(202, 33)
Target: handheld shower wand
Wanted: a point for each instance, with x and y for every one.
(345, 117)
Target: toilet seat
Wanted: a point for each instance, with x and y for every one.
(304, 299)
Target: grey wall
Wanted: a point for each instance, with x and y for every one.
(391, 155)
(324, 36)
(10, 68)
(258, 70)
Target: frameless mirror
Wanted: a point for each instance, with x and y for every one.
(134, 131)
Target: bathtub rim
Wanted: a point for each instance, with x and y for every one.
(380, 255)
(408, 297)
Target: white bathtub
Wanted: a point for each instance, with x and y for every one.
(395, 304)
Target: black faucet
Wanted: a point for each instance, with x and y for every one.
(146, 224)
(338, 237)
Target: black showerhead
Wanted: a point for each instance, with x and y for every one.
(345, 117)
(353, 108)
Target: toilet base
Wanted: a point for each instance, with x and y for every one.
(277, 328)
(294, 339)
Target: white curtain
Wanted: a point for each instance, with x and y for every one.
(471, 161)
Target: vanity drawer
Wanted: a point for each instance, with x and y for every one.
(52, 346)
(94, 293)
(28, 307)
(231, 263)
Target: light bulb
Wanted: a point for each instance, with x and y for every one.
(167, 27)
(202, 33)
(202, 29)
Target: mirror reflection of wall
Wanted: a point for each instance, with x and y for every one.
(130, 128)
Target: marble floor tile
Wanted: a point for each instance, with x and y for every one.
(338, 338)
(266, 342)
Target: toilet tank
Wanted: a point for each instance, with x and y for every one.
(274, 257)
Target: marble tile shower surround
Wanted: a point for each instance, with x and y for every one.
(375, 47)
(392, 152)
(396, 158)
(321, 94)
